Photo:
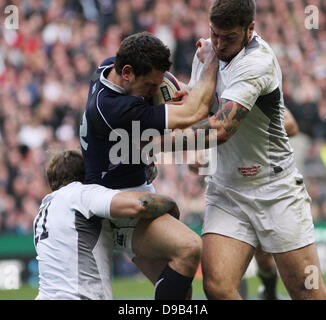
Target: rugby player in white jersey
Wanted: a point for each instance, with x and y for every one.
(73, 237)
(266, 268)
(256, 194)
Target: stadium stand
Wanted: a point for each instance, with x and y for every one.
(46, 63)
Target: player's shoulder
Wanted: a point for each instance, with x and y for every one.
(257, 59)
(258, 52)
(87, 189)
(66, 191)
(47, 198)
(114, 103)
(76, 191)
(107, 62)
(60, 196)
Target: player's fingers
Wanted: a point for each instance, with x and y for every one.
(176, 103)
(203, 48)
(200, 42)
(193, 168)
(179, 95)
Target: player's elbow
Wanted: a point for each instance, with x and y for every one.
(220, 135)
(140, 210)
(292, 130)
(223, 137)
(144, 210)
(182, 117)
(188, 120)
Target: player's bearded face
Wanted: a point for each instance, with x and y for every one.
(147, 86)
(227, 43)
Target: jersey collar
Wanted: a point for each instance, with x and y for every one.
(224, 64)
(110, 84)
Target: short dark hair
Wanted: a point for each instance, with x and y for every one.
(65, 167)
(143, 52)
(227, 14)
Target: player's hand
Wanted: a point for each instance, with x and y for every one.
(204, 47)
(175, 212)
(151, 172)
(206, 53)
(179, 97)
(194, 167)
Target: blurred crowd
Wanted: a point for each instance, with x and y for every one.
(46, 63)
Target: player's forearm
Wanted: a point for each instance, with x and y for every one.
(153, 206)
(201, 135)
(209, 132)
(201, 97)
(197, 104)
(219, 128)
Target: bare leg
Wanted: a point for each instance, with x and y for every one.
(166, 238)
(301, 274)
(267, 273)
(167, 249)
(151, 268)
(224, 262)
(265, 261)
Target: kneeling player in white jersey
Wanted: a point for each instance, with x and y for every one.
(256, 194)
(74, 233)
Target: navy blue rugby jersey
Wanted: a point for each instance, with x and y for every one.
(109, 109)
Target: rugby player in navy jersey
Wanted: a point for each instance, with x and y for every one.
(164, 249)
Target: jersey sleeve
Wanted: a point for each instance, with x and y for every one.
(119, 111)
(94, 200)
(250, 81)
(149, 117)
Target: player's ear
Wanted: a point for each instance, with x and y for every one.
(127, 72)
(251, 29)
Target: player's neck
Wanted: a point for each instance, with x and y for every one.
(115, 78)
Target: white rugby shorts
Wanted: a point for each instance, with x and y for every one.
(277, 214)
(123, 229)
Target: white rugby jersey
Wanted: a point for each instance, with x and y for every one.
(74, 243)
(260, 148)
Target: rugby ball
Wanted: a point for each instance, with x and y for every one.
(167, 89)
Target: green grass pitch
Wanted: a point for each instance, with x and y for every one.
(140, 288)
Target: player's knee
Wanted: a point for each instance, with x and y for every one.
(193, 249)
(216, 289)
(190, 252)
